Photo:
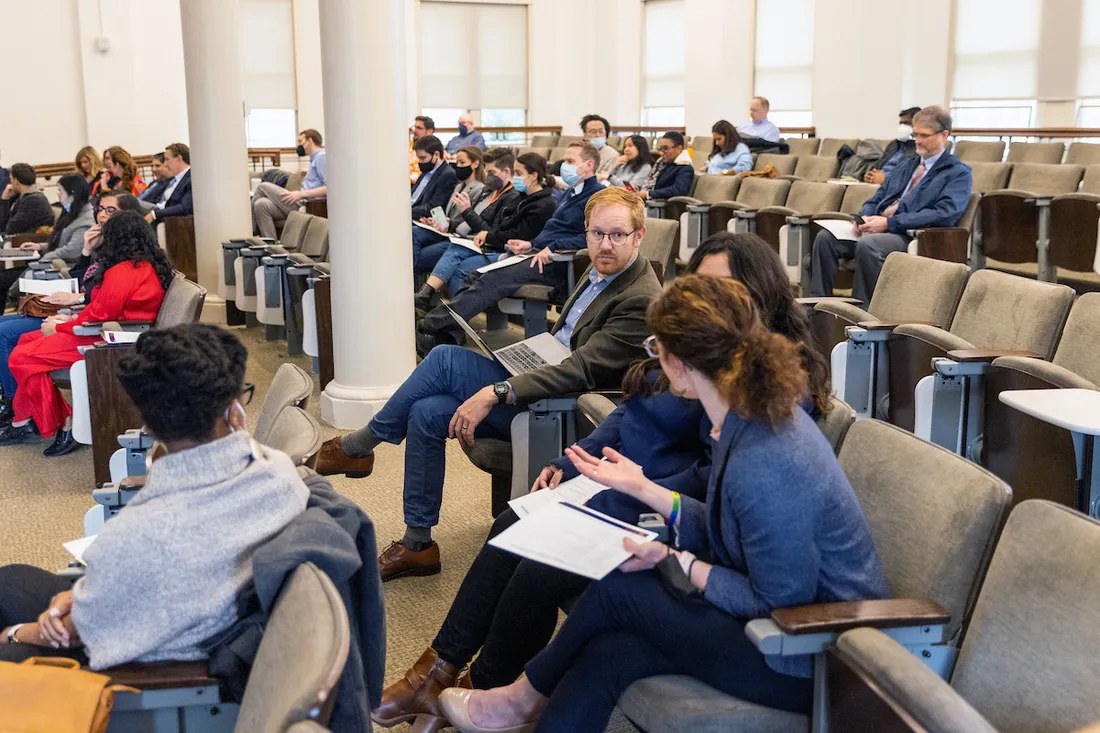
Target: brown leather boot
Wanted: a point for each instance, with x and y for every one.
(397, 561)
(331, 461)
(417, 694)
(429, 723)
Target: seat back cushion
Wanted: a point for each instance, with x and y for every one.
(803, 145)
(933, 515)
(830, 146)
(756, 193)
(660, 237)
(1083, 154)
(1079, 349)
(1091, 182)
(292, 385)
(1045, 179)
(1029, 660)
(855, 195)
(784, 164)
(315, 243)
(1002, 311)
(711, 189)
(816, 167)
(294, 230)
(987, 177)
(296, 433)
(980, 152)
(835, 423)
(1036, 153)
(809, 197)
(182, 303)
(914, 288)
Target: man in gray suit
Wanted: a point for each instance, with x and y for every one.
(458, 393)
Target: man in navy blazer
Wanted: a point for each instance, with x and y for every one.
(437, 178)
(930, 189)
(175, 199)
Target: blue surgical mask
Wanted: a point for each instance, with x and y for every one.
(519, 184)
(462, 130)
(569, 174)
(68, 207)
(597, 142)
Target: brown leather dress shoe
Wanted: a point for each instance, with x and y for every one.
(397, 561)
(417, 695)
(331, 461)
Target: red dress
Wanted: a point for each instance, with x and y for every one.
(128, 292)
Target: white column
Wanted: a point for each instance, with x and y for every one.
(215, 117)
(370, 245)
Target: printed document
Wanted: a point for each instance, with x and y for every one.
(571, 538)
(467, 243)
(506, 262)
(48, 287)
(840, 228)
(76, 548)
(576, 491)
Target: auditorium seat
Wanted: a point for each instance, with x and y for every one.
(236, 282)
(544, 152)
(986, 177)
(701, 145)
(281, 282)
(786, 227)
(1074, 232)
(693, 212)
(1027, 663)
(830, 146)
(816, 168)
(800, 146)
(672, 208)
(1050, 153)
(784, 165)
(933, 518)
(752, 194)
(564, 141)
(1083, 154)
(975, 151)
(947, 243)
(544, 141)
(616, 142)
(291, 385)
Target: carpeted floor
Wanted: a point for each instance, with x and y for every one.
(45, 501)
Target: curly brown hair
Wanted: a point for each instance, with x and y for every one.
(714, 327)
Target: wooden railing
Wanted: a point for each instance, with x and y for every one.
(1042, 133)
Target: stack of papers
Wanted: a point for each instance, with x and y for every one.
(842, 229)
(121, 337)
(76, 548)
(48, 287)
(506, 262)
(576, 491)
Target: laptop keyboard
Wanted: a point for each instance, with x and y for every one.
(521, 357)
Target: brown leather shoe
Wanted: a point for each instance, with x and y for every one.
(417, 695)
(331, 461)
(397, 561)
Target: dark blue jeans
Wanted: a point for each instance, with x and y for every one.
(627, 627)
(428, 247)
(11, 329)
(420, 413)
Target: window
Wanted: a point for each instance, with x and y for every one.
(996, 55)
(785, 59)
(1088, 113)
(444, 118)
(663, 63)
(993, 113)
(504, 118)
(1088, 74)
(267, 51)
(473, 56)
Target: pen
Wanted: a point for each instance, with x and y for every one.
(607, 520)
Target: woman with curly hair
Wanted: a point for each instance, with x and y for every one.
(119, 172)
(163, 575)
(131, 275)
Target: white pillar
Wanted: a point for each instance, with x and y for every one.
(215, 118)
(370, 241)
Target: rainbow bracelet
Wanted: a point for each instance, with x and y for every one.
(675, 513)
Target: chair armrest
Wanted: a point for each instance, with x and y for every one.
(235, 244)
(987, 356)
(689, 200)
(933, 335)
(563, 256)
(1052, 374)
(780, 210)
(732, 205)
(298, 258)
(834, 215)
(595, 407)
(94, 329)
(811, 302)
(890, 325)
(884, 614)
(745, 213)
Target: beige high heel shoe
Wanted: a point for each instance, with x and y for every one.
(455, 704)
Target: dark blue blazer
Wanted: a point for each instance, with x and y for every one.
(673, 180)
(938, 201)
(565, 230)
(437, 193)
(180, 202)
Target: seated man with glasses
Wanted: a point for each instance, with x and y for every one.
(458, 393)
(930, 189)
(673, 173)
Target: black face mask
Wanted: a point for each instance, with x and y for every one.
(493, 183)
(427, 167)
(464, 171)
(301, 151)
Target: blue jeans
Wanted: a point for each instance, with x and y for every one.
(466, 269)
(11, 328)
(450, 268)
(627, 627)
(428, 247)
(420, 413)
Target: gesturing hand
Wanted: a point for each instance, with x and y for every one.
(646, 555)
(617, 472)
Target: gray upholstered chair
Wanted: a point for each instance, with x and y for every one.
(296, 433)
(557, 154)
(241, 257)
(701, 145)
(595, 407)
(543, 151)
(1083, 154)
(835, 423)
(787, 227)
(830, 146)
(934, 519)
(1050, 153)
(986, 177)
(947, 243)
(784, 165)
(855, 195)
(974, 151)
(301, 656)
(544, 141)
(282, 280)
(291, 386)
(565, 141)
(752, 194)
(816, 168)
(693, 212)
(1028, 663)
(801, 146)
(1074, 219)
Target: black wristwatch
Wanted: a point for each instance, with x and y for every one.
(502, 390)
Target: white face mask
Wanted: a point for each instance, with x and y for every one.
(904, 132)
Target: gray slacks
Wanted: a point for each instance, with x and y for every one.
(267, 208)
(869, 252)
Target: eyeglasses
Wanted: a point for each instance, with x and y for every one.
(923, 136)
(664, 149)
(595, 236)
(111, 210)
(650, 346)
(247, 393)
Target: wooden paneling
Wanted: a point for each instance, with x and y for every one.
(111, 411)
(179, 238)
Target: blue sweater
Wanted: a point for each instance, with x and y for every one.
(781, 525)
(565, 230)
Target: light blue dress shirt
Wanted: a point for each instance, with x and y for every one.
(422, 183)
(315, 177)
(929, 163)
(763, 129)
(598, 284)
(739, 159)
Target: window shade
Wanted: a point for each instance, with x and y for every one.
(488, 71)
(785, 53)
(1088, 75)
(267, 52)
(996, 49)
(663, 65)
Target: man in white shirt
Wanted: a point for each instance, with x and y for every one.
(758, 124)
(175, 198)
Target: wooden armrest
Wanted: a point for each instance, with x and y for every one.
(811, 302)
(988, 355)
(836, 617)
(161, 675)
(891, 325)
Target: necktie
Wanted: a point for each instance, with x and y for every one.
(918, 174)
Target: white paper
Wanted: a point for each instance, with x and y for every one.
(48, 287)
(431, 229)
(506, 262)
(121, 337)
(839, 228)
(576, 491)
(571, 538)
(467, 243)
(16, 254)
(76, 548)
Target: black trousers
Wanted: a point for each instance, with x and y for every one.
(8, 278)
(488, 289)
(25, 592)
(507, 606)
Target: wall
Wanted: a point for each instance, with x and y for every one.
(718, 76)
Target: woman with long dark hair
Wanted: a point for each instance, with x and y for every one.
(634, 164)
(130, 277)
(730, 155)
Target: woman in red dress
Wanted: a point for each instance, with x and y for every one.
(131, 275)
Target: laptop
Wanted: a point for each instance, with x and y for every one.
(526, 356)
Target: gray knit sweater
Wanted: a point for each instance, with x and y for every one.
(163, 575)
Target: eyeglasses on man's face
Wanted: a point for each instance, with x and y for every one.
(595, 236)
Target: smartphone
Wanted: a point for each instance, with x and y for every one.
(439, 216)
(859, 220)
